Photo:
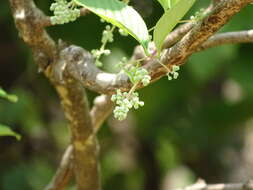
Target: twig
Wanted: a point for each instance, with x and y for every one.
(201, 185)
(102, 108)
(64, 171)
(228, 38)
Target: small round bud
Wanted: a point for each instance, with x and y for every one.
(175, 75)
(107, 52)
(175, 68)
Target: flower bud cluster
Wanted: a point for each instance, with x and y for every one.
(107, 35)
(174, 73)
(97, 53)
(140, 74)
(135, 73)
(64, 12)
(125, 102)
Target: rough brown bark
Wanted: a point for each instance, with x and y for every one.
(85, 146)
(30, 22)
(101, 109)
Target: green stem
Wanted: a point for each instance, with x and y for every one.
(102, 48)
(164, 66)
(132, 89)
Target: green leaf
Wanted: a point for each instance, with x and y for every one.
(169, 20)
(120, 15)
(6, 131)
(167, 4)
(10, 97)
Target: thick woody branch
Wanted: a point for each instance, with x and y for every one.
(29, 22)
(219, 15)
(101, 109)
(182, 30)
(177, 34)
(85, 146)
(80, 65)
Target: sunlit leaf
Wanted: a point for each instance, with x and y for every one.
(169, 20)
(120, 15)
(6, 131)
(167, 4)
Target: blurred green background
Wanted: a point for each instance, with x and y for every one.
(199, 126)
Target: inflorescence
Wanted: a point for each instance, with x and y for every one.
(64, 12)
(127, 100)
(107, 37)
(174, 73)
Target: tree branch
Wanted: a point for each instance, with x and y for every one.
(228, 38)
(182, 30)
(64, 171)
(101, 109)
(201, 185)
(85, 146)
(80, 63)
(177, 34)
(29, 22)
(219, 15)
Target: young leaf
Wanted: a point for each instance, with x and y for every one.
(6, 131)
(120, 15)
(172, 3)
(164, 3)
(167, 4)
(10, 97)
(169, 20)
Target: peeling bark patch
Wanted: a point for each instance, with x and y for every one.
(20, 14)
